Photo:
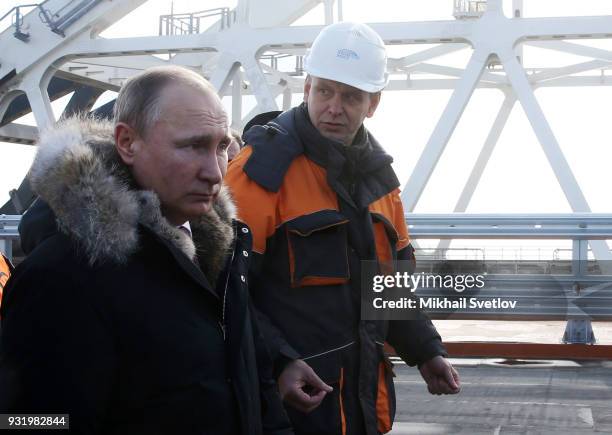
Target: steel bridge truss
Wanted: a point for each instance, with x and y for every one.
(243, 53)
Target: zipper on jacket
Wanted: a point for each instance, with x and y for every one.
(222, 328)
(222, 324)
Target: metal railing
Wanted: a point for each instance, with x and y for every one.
(194, 22)
(69, 14)
(572, 286)
(504, 253)
(579, 228)
(529, 279)
(572, 226)
(16, 15)
(576, 226)
(469, 8)
(451, 253)
(57, 21)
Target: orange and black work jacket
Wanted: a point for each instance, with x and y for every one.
(316, 209)
(5, 272)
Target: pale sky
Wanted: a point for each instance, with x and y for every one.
(518, 178)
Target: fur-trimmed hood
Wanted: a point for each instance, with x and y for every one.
(79, 174)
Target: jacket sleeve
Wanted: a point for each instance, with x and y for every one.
(57, 356)
(280, 351)
(274, 418)
(415, 341)
(257, 207)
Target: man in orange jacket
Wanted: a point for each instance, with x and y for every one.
(320, 197)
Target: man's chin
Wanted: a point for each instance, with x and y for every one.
(333, 136)
(205, 207)
(197, 210)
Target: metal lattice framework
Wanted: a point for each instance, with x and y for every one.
(241, 52)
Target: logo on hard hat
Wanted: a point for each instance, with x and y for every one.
(345, 53)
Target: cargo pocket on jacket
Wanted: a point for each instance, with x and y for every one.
(385, 395)
(317, 246)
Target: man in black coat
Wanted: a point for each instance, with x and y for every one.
(133, 315)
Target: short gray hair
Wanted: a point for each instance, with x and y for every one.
(138, 104)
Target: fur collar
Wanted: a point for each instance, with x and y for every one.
(80, 175)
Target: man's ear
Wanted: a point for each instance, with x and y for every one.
(125, 142)
(374, 101)
(307, 86)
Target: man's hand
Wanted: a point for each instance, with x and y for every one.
(440, 376)
(300, 387)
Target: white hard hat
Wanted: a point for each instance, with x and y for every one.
(349, 53)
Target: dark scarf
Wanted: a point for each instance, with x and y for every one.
(359, 173)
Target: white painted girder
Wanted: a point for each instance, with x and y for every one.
(485, 153)
(455, 72)
(507, 36)
(264, 84)
(144, 45)
(424, 55)
(483, 159)
(6, 101)
(106, 72)
(443, 130)
(221, 77)
(565, 71)
(544, 133)
(276, 91)
(43, 42)
(100, 73)
(282, 37)
(18, 133)
(237, 99)
(279, 37)
(548, 141)
(290, 37)
(278, 76)
(450, 84)
(574, 48)
(418, 84)
(265, 99)
(35, 87)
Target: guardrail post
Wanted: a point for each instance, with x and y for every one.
(579, 330)
(580, 257)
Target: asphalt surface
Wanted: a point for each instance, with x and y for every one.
(560, 398)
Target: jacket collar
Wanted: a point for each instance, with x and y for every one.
(360, 173)
(277, 143)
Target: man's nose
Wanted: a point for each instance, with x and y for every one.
(335, 105)
(210, 171)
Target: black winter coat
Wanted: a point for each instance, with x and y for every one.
(111, 321)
